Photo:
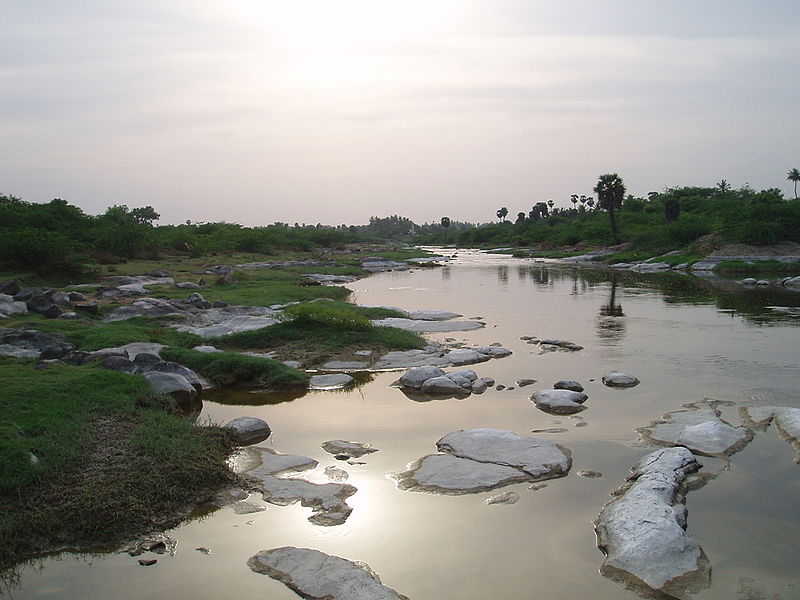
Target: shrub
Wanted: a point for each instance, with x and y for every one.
(320, 313)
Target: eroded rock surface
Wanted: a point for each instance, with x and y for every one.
(316, 575)
(643, 530)
(326, 500)
(785, 419)
(697, 426)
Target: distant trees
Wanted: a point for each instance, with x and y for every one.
(794, 176)
(502, 213)
(574, 199)
(672, 209)
(610, 191)
(520, 217)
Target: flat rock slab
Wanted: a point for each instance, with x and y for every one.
(173, 385)
(559, 402)
(228, 326)
(447, 474)
(351, 449)
(643, 531)
(345, 365)
(271, 462)
(249, 430)
(422, 326)
(334, 381)
(619, 379)
(433, 315)
(568, 384)
(698, 427)
(318, 576)
(326, 500)
(785, 419)
(550, 344)
(540, 458)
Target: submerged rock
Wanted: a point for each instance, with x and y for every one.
(559, 402)
(326, 500)
(619, 379)
(423, 326)
(272, 462)
(504, 498)
(316, 575)
(334, 381)
(785, 419)
(249, 430)
(447, 474)
(643, 531)
(698, 427)
(351, 449)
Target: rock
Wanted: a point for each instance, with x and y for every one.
(748, 281)
(433, 315)
(52, 312)
(550, 430)
(69, 315)
(762, 282)
(416, 377)
(145, 307)
(247, 508)
(643, 530)
(147, 562)
(206, 349)
(336, 474)
(345, 365)
(9, 306)
(327, 500)
(119, 363)
(559, 402)
(249, 430)
(420, 326)
(504, 498)
(785, 419)
(488, 381)
(351, 449)
(499, 387)
(442, 385)
(329, 279)
(172, 385)
(271, 462)
(478, 386)
(525, 382)
(465, 356)
(568, 384)
(494, 351)
(619, 379)
(187, 285)
(151, 362)
(10, 287)
(538, 458)
(550, 345)
(49, 345)
(364, 354)
(334, 381)
(699, 428)
(17, 352)
(590, 474)
(156, 542)
(90, 307)
(447, 474)
(376, 265)
(76, 297)
(314, 574)
(196, 298)
(654, 267)
(157, 274)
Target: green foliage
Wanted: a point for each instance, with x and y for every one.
(230, 369)
(320, 313)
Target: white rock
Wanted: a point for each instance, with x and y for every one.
(249, 430)
(433, 315)
(560, 402)
(642, 532)
(314, 574)
(442, 385)
(334, 381)
(420, 326)
(447, 474)
(271, 462)
(504, 498)
(465, 356)
(171, 384)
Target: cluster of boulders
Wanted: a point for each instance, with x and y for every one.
(49, 302)
(431, 380)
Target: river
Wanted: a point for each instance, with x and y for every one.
(684, 344)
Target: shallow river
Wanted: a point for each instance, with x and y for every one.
(684, 345)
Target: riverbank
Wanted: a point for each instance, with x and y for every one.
(91, 454)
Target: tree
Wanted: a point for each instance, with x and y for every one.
(502, 213)
(723, 186)
(145, 215)
(520, 217)
(590, 202)
(550, 203)
(672, 209)
(794, 176)
(445, 224)
(574, 199)
(610, 191)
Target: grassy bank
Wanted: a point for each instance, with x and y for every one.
(90, 455)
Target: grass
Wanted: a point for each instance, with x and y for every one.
(228, 369)
(759, 266)
(105, 466)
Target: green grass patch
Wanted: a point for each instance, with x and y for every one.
(760, 266)
(333, 316)
(228, 369)
(105, 466)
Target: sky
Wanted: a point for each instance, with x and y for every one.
(332, 111)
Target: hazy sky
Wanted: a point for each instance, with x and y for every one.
(335, 110)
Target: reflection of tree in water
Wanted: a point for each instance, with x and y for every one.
(445, 273)
(502, 274)
(610, 325)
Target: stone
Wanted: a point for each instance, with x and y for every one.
(172, 385)
(376, 265)
(590, 474)
(336, 474)
(557, 345)
(421, 326)
(156, 542)
(326, 500)
(145, 307)
(494, 351)
(330, 279)
(49, 345)
(619, 379)
(345, 365)
(433, 315)
(69, 315)
(334, 381)
(206, 349)
(157, 273)
(249, 430)
(504, 498)
(442, 385)
(90, 307)
(17, 352)
(119, 363)
(414, 378)
(785, 419)
(539, 458)
(642, 531)
(272, 462)
(478, 386)
(247, 508)
(10, 287)
(559, 402)
(314, 574)
(451, 475)
(350, 449)
(10, 307)
(568, 384)
(748, 281)
(699, 428)
(525, 382)
(465, 356)
(187, 285)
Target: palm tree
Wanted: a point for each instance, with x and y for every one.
(610, 191)
(574, 199)
(445, 224)
(550, 203)
(723, 186)
(590, 202)
(502, 213)
(794, 176)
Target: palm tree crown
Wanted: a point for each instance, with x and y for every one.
(794, 175)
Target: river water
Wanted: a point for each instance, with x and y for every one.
(685, 343)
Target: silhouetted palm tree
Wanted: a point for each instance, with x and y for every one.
(502, 213)
(723, 186)
(794, 175)
(574, 199)
(590, 202)
(445, 224)
(610, 191)
(550, 203)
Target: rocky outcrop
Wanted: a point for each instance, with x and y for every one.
(479, 460)
(643, 530)
(559, 401)
(429, 381)
(316, 575)
(48, 345)
(436, 355)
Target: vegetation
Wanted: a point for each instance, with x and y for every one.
(90, 454)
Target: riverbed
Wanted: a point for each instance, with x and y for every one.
(684, 343)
